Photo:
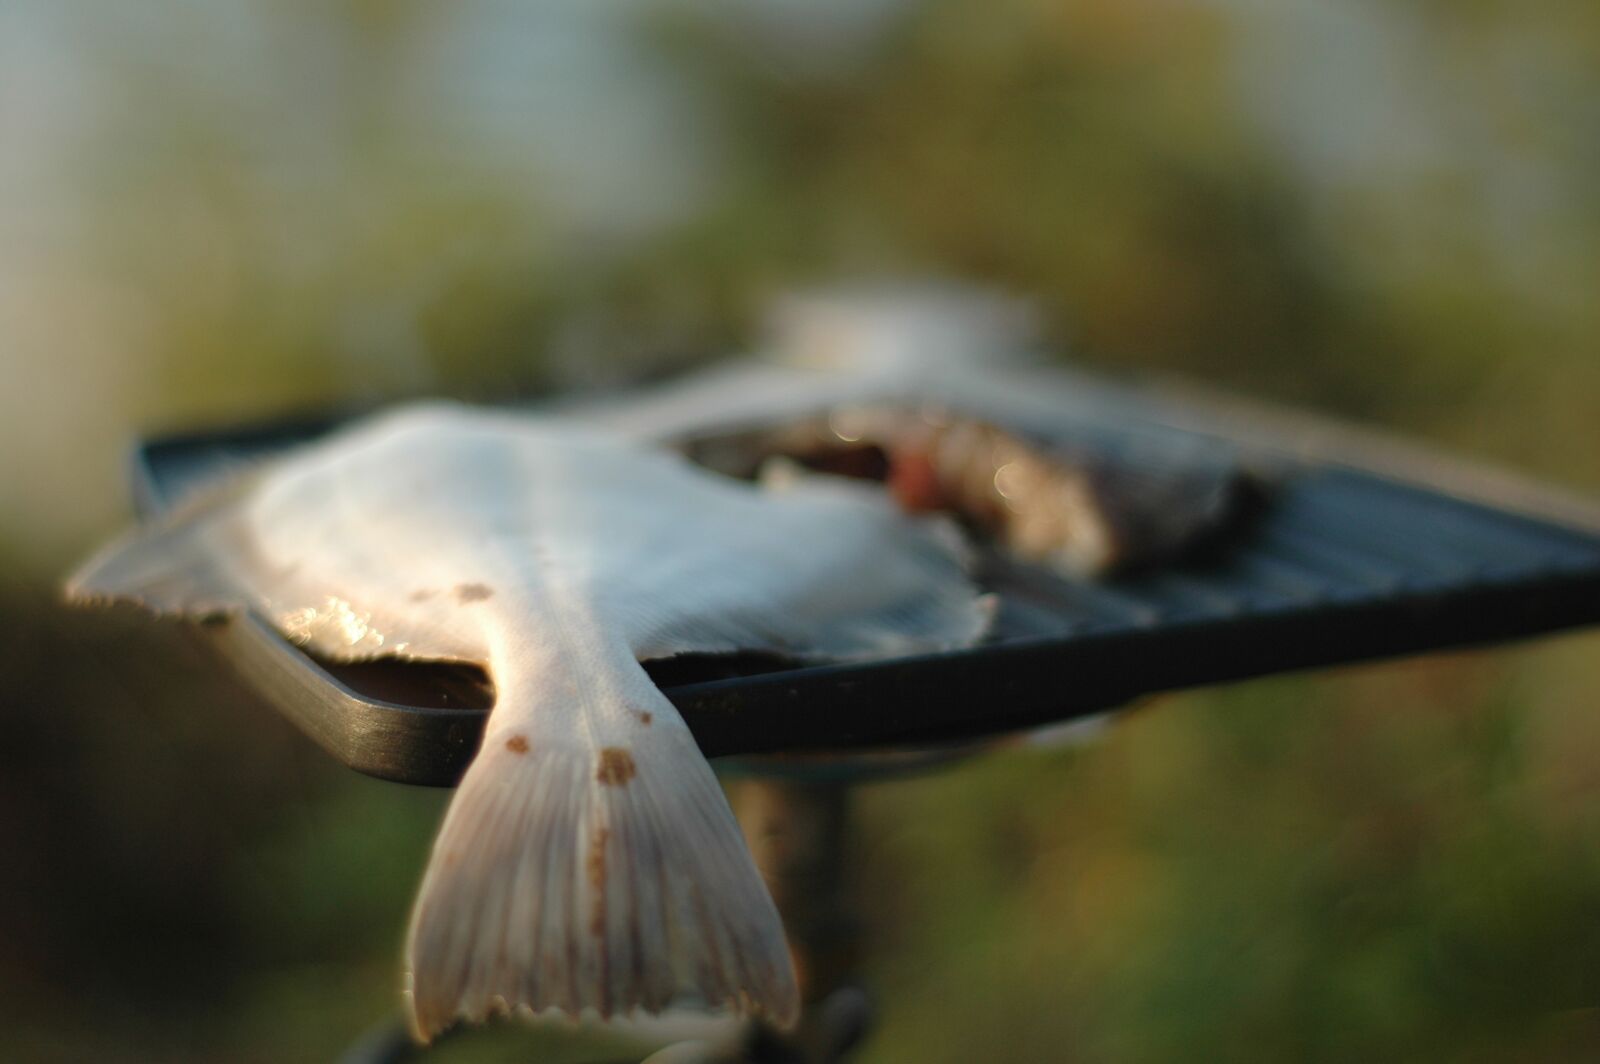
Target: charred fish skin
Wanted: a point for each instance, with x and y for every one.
(932, 387)
(1079, 504)
(588, 862)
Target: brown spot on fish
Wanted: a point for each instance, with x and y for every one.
(423, 594)
(466, 593)
(914, 482)
(597, 879)
(517, 744)
(645, 717)
(616, 767)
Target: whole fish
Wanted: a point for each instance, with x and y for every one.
(588, 860)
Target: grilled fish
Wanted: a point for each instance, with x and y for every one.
(589, 860)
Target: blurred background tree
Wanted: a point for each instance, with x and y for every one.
(215, 211)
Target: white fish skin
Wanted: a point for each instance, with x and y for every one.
(588, 860)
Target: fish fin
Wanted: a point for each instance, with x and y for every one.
(901, 587)
(582, 878)
(166, 568)
(201, 563)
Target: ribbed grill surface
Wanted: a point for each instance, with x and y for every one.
(1330, 538)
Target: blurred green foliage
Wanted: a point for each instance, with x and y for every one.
(1387, 211)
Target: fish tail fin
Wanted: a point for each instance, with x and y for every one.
(608, 878)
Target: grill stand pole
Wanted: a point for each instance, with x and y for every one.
(799, 833)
